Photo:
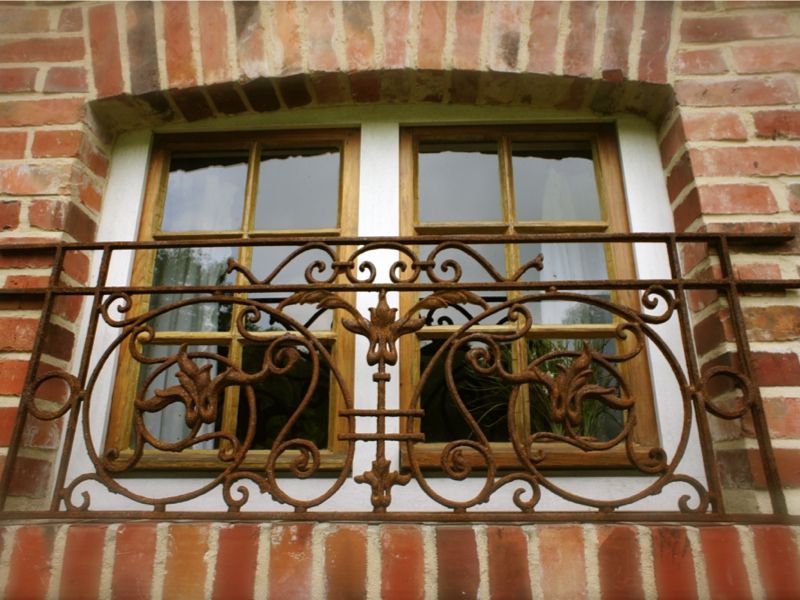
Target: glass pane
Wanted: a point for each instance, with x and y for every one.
(486, 397)
(298, 190)
(554, 185)
(192, 266)
(278, 396)
(459, 182)
(205, 193)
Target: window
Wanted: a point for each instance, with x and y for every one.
(496, 181)
(226, 189)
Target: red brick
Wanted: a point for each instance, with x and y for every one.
(783, 417)
(236, 562)
(708, 61)
(714, 126)
(58, 342)
(26, 281)
(250, 38)
(729, 28)
(8, 419)
(76, 265)
(29, 574)
(457, 556)
(561, 554)
(579, 50)
(508, 563)
(180, 63)
(346, 562)
(290, 561)
(9, 215)
(396, 16)
(41, 112)
(680, 176)
(673, 563)
(18, 334)
(544, 23)
(82, 562)
(12, 376)
(688, 211)
(776, 368)
(288, 35)
(142, 53)
(24, 19)
(321, 30)
(20, 79)
(673, 142)
(504, 37)
(87, 192)
(737, 92)
(185, 564)
(778, 124)
(743, 161)
(777, 556)
(62, 216)
(28, 180)
(767, 59)
(469, 25)
(725, 570)
(66, 79)
(732, 199)
(617, 37)
(214, 41)
(757, 271)
(70, 20)
(618, 559)
(135, 545)
(31, 478)
(655, 42)
(42, 50)
(93, 157)
(56, 143)
(359, 43)
(432, 23)
(402, 563)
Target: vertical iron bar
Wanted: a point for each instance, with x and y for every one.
(757, 407)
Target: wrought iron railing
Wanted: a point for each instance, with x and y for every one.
(383, 467)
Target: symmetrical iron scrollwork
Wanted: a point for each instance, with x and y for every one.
(495, 313)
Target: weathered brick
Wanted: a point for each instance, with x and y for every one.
(777, 556)
(725, 570)
(346, 562)
(290, 561)
(673, 142)
(29, 180)
(730, 28)
(360, 44)
(688, 211)
(237, 554)
(680, 176)
(70, 20)
(82, 562)
(42, 50)
(18, 334)
(62, 216)
(41, 112)
(288, 35)
(18, 79)
(776, 368)
(777, 124)
(9, 215)
(794, 197)
(56, 143)
(432, 23)
(214, 41)
(135, 545)
(104, 41)
(180, 61)
(185, 563)
(504, 36)
(365, 86)
(783, 416)
(714, 126)
(508, 563)
(544, 35)
(24, 19)
(737, 92)
(225, 99)
(746, 160)
(293, 90)
(457, 555)
(321, 30)
(655, 41)
(29, 573)
(561, 553)
(396, 17)
(673, 563)
(737, 199)
(579, 50)
(250, 37)
(617, 36)
(469, 25)
(708, 61)
(31, 478)
(767, 58)
(66, 79)
(142, 54)
(618, 560)
(402, 563)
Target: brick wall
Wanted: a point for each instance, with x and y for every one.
(720, 79)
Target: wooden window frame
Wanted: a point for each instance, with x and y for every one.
(614, 219)
(347, 140)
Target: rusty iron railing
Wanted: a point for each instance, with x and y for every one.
(288, 481)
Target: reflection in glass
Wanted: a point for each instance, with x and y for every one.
(205, 193)
(192, 266)
(459, 182)
(277, 398)
(554, 185)
(298, 190)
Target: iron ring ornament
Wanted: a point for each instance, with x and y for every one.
(564, 376)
